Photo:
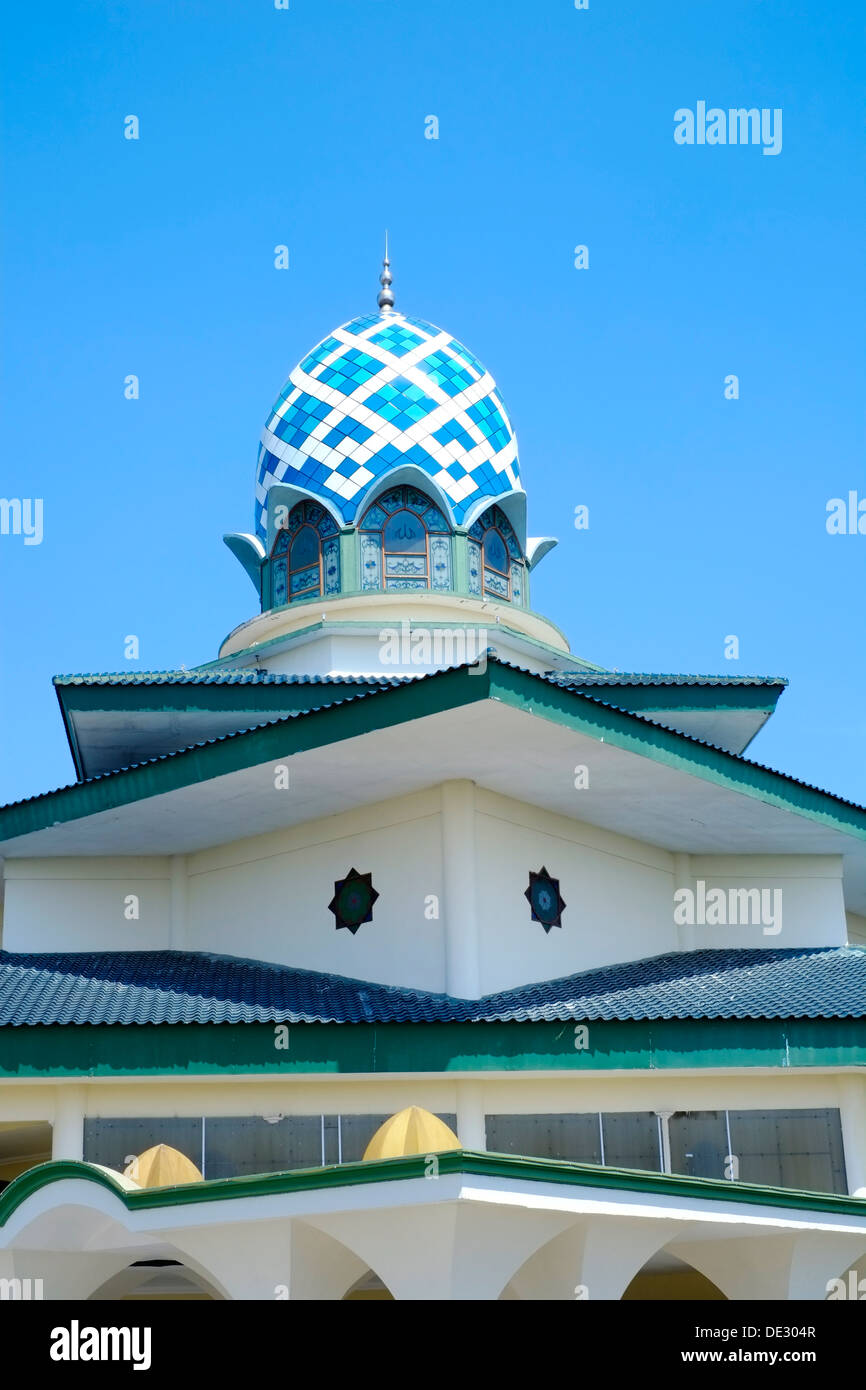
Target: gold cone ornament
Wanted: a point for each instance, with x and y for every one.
(162, 1166)
(411, 1131)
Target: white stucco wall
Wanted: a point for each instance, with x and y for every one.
(266, 897)
(87, 904)
(618, 895)
(807, 890)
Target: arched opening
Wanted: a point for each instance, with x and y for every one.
(156, 1281)
(305, 563)
(405, 543)
(305, 559)
(496, 564)
(666, 1279)
(368, 1289)
(23, 1145)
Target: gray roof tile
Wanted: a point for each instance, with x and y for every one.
(198, 987)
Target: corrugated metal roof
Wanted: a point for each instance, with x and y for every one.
(494, 660)
(258, 677)
(195, 987)
(653, 678)
(254, 677)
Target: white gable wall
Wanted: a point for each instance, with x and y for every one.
(119, 904)
(267, 897)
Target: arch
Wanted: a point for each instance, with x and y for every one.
(161, 1279)
(305, 556)
(368, 1289)
(667, 1278)
(325, 1268)
(405, 542)
(409, 475)
(512, 503)
(593, 1257)
(497, 565)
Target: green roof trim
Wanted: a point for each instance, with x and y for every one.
(683, 698)
(341, 1049)
(504, 1167)
(374, 710)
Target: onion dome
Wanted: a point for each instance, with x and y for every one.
(381, 391)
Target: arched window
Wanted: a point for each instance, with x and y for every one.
(496, 564)
(306, 556)
(405, 543)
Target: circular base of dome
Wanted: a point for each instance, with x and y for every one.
(385, 609)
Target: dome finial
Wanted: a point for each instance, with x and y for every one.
(385, 297)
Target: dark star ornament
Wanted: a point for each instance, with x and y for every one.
(352, 903)
(544, 898)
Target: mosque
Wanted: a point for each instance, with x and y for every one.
(365, 961)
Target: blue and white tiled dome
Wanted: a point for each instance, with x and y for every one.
(385, 390)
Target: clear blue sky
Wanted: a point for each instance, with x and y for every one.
(306, 127)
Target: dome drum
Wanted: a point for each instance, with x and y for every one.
(403, 542)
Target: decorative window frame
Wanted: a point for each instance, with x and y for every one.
(437, 557)
(485, 580)
(327, 566)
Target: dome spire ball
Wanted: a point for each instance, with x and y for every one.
(385, 297)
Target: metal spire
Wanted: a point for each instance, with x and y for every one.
(385, 297)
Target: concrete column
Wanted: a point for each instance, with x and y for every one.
(819, 1258)
(683, 878)
(448, 1252)
(615, 1251)
(460, 561)
(462, 972)
(665, 1117)
(595, 1259)
(350, 578)
(249, 1261)
(67, 1136)
(752, 1268)
(179, 887)
(852, 1109)
(471, 1129)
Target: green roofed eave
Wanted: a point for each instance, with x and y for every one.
(501, 1167)
(200, 697)
(597, 717)
(359, 714)
(346, 1049)
(686, 698)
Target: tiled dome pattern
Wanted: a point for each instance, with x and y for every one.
(381, 391)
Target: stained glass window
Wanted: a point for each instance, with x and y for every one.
(496, 563)
(305, 559)
(405, 543)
